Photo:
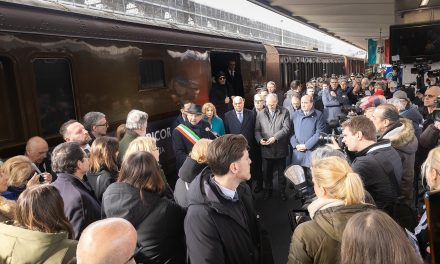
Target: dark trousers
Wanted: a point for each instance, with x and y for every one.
(256, 170)
(269, 167)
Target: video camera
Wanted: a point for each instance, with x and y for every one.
(421, 66)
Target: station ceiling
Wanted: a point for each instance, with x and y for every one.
(353, 21)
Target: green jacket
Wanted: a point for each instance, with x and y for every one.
(22, 246)
(129, 136)
(319, 240)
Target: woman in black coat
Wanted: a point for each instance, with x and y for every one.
(137, 197)
(194, 164)
(103, 164)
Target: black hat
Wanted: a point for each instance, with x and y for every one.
(220, 74)
(195, 109)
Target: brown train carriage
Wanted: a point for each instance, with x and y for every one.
(56, 65)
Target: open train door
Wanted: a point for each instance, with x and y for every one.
(223, 61)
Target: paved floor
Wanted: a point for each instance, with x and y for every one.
(275, 220)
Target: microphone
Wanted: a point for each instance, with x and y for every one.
(207, 129)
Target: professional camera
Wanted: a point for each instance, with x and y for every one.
(327, 138)
(420, 67)
(434, 73)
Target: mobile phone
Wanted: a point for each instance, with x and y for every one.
(432, 202)
(264, 139)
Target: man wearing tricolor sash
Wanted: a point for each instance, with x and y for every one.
(187, 134)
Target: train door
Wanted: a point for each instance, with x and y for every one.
(10, 111)
(220, 61)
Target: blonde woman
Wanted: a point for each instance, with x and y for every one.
(21, 174)
(148, 144)
(215, 122)
(431, 174)
(193, 165)
(340, 195)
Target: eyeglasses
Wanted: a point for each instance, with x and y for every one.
(105, 124)
(429, 95)
(221, 78)
(136, 253)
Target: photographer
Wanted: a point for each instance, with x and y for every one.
(374, 160)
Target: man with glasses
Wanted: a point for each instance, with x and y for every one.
(220, 94)
(429, 105)
(96, 124)
(332, 100)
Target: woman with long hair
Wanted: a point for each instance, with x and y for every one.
(103, 164)
(195, 163)
(137, 197)
(340, 195)
(148, 144)
(215, 122)
(41, 232)
(374, 237)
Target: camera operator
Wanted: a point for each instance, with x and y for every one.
(373, 160)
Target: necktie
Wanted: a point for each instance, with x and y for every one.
(240, 117)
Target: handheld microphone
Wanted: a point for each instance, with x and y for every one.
(207, 129)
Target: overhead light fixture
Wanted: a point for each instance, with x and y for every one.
(424, 3)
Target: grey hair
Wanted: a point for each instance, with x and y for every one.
(397, 103)
(325, 152)
(272, 83)
(91, 119)
(271, 95)
(65, 157)
(136, 119)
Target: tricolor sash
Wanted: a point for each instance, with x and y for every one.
(188, 133)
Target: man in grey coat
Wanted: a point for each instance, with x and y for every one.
(272, 130)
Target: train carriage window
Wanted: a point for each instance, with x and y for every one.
(54, 93)
(152, 74)
(12, 128)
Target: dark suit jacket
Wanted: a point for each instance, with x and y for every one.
(179, 120)
(247, 128)
(235, 82)
(80, 205)
(182, 146)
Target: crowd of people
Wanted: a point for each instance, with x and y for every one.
(101, 199)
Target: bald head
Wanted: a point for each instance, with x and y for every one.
(36, 149)
(108, 241)
(430, 96)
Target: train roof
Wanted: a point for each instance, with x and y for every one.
(51, 18)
